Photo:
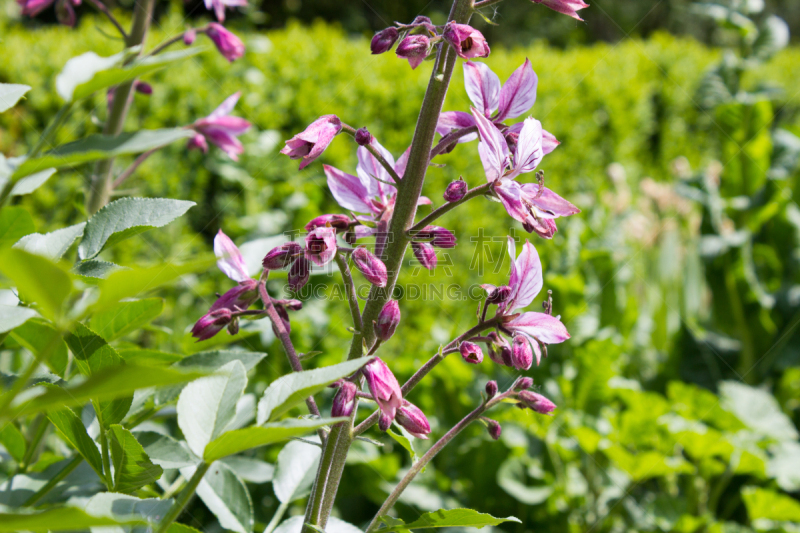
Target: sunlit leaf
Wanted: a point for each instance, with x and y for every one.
(72, 430)
(37, 279)
(226, 496)
(52, 245)
(57, 519)
(12, 316)
(451, 518)
(36, 335)
(132, 467)
(127, 316)
(295, 470)
(15, 223)
(165, 451)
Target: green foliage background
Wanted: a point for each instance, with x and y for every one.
(652, 431)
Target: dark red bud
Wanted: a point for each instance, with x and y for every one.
(524, 383)
(494, 429)
(384, 40)
(299, 273)
(455, 191)
(388, 319)
(491, 389)
(363, 137)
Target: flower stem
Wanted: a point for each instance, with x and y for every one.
(276, 518)
(379, 156)
(33, 446)
(100, 6)
(103, 446)
(350, 290)
(131, 169)
(183, 499)
(441, 210)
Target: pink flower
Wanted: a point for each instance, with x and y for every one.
(228, 44)
(537, 402)
(221, 129)
(415, 48)
(467, 41)
(310, 143)
(65, 9)
(384, 387)
(229, 258)
(567, 7)
(471, 352)
(425, 254)
(369, 265)
(521, 353)
(219, 6)
(339, 222)
(321, 245)
(455, 191)
(412, 419)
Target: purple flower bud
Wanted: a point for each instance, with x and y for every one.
(467, 41)
(413, 420)
(524, 383)
(211, 323)
(425, 254)
(282, 256)
(384, 387)
(521, 353)
(491, 389)
(345, 399)
(424, 21)
(239, 297)
(494, 429)
(498, 295)
(388, 319)
(442, 238)
(198, 142)
(384, 422)
(339, 222)
(189, 36)
(363, 137)
(471, 352)
(321, 245)
(143, 87)
(455, 191)
(291, 305)
(537, 402)
(384, 40)
(228, 44)
(299, 273)
(369, 265)
(415, 48)
(311, 142)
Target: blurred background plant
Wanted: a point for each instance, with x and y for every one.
(679, 394)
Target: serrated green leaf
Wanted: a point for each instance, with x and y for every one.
(206, 406)
(84, 74)
(239, 440)
(165, 451)
(10, 93)
(58, 519)
(37, 279)
(94, 270)
(15, 223)
(13, 441)
(215, 359)
(51, 245)
(291, 389)
(127, 316)
(12, 316)
(133, 469)
(36, 335)
(72, 430)
(97, 147)
(450, 518)
(31, 183)
(226, 496)
(125, 218)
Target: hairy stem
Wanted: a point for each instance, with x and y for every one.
(441, 210)
(101, 185)
(41, 429)
(183, 499)
(100, 6)
(131, 169)
(350, 290)
(379, 156)
(52, 482)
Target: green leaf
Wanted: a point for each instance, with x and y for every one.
(239, 440)
(148, 357)
(133, 469)
(125, 218)
(291, 389)
(122, 507)
(72, 430)
(758, 409)
(165, 451)
(334, 525)
(226, 496)
(95, 270)
(97, 147)
(84, 74)
(126, 317)
(92, 353)
(13, 441)
(10, 93)
(12, 316)
(58, 519)
(32, 182)
(181, 528)
(128, 283)
(249, 469)
(218, 358)
(511, 478)
(51, 245)
(450, 518)
(769, 505)
(37, 280)
(405, 442)
(104, 385)
(35, 335)
(295, 470)
(15, 223)
(206, 406)
(784, 465)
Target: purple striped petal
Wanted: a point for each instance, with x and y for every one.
(526, 276)
(348, 190)
(456, 120)
(492, 149)
(229, 259)
(483, 87)
(549, 203)
(519, 92)
(546, 328)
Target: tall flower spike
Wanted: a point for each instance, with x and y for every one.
(321, 245)
(229, 258)
(413, 420)
(221, 129)
(311, 142)
(228, 44)
(384, 387)
(467, 41)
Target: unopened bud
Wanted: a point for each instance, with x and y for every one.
(384, 40)
(413, 420)
(211, 323)
(425, 254)
(471, 352)
(369, 265)
(345, 399)
(537, 402)
(521, 353)
(291, 305)
(189, 36)
(455, 191)
(143, 87)
(415, 48)
(499, 295)
(440, 237)
(341, 222)
(363, 137)
(491, 389)
(384, 387)
(494, 429)
(282, 256)
(384, 422)
(388, 319)
(299, 273)
(523, 383)
(499, 350)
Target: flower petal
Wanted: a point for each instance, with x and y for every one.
(526, 276)
(348, 190)
(402, 163)
(549, 142)
(519, 92)
(529, 147)
(483, 86)
(227, 106)
(369, 168)
(456, 120)
(551, 204)
(229, 259)
(510, 194)
(492, 149)
(546, 328)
